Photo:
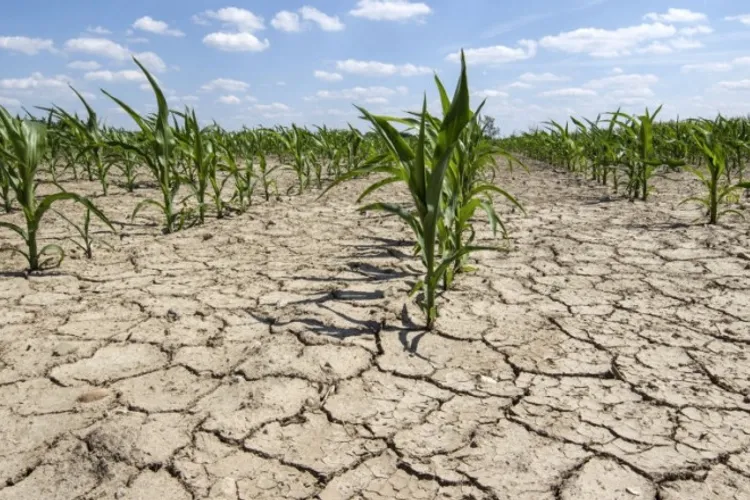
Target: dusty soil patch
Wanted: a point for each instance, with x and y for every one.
(274, 355)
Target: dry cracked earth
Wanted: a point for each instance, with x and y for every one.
(277, 355)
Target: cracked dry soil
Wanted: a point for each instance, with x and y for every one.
(274, 356)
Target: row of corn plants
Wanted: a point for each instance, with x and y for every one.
(626, 151)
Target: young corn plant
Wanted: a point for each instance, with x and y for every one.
(84, 231)
(293, 143)
(199, 152)
(468, 190)
(640, 157)
(158, 150)
(718, 192)
(423, 168)
(89, 137)
(23, 152)
(264, 175)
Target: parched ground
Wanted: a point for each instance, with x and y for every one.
(276, 355)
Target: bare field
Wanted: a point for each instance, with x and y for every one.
(277, 355)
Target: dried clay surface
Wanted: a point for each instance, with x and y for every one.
(277, 355)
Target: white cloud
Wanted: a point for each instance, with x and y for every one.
(542, 78)
(98, 30)
(607, 43)
(152, 61)
(735, 85)
(742, 61)
(273, 107)
(498, 54)
(520, 85)
(489, 93)
(696, 30)
(375, 68)
(291, 21)
(240, 19)
(229, 99)
(743, 18)
(99, 47)
(11, 103)
(26, 45)
(617, 71)
(35, 81)
(656, 48)
(326, 22)
(376, 100)
(236, 42)
(127, 75)
(631, 80)
(84, 65)
(137, 39)
(286, 21)
(147, 23)
(190, 98)
(226, 84)
(390, 10)
(361, 93)
(706, 67)
(676, 16)
(569, 92)
(328, 77)
(685, 43)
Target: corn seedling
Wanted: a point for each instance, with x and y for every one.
(84, 231)
(423, 168)
(23, 151)
(718, 192)
(293, 143)
(157, 150)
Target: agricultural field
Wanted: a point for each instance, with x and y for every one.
(418, 311)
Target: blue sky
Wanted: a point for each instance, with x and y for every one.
(282, 61)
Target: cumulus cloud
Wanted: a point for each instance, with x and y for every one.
(293, 22)
(632, 80)
(236, 42)
(706, 67)
(328, 77)
(225, 84)
(286, 21)
(676, 16)
(84, 65)
(35, 81)
(542, 78)
(361, 93)
(151, 25)
(569, 92)
(229, 99)
(390, 10)
(735, 85)
(98, 47)
(497, 54)
(743, 18)
(239, 19)
(324, 21)
(127, 75)
(98, 30)
(152, 61)
(375, 68)
(273, 107)
(487, 93)
(26, 45)
(244, 22)
(607, 43)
